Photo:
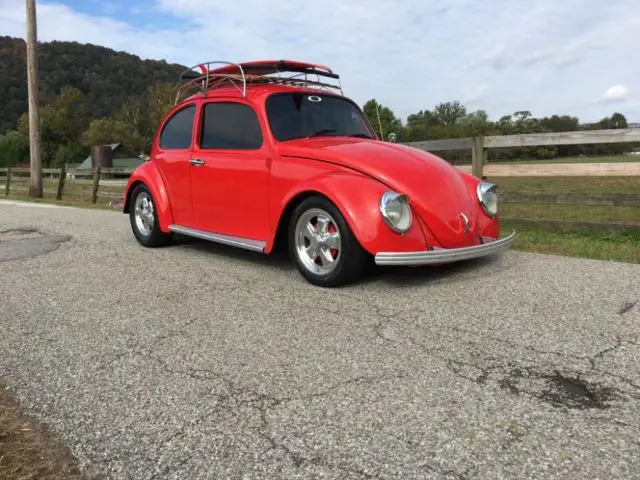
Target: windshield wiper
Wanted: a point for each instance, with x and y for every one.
(324, 131)
(360, 135)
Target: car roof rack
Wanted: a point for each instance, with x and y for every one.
(206, 78)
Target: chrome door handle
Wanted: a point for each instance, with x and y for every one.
(196, 162)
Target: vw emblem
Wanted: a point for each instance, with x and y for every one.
(465, 219)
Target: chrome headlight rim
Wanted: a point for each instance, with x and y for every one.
(390, 197)
(483, 189)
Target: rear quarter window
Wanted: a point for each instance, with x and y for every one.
(177, 131)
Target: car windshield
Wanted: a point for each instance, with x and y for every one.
(301, 115)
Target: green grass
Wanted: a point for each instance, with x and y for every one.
(600, 159)
(594, 245)
(590, 244)
(73, 189)
(558, 185)
(76, 193)
(586, 213)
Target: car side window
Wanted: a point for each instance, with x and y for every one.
(228, 125)
(177, 132)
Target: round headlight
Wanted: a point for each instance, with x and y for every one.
(396, 211)
(488, 197)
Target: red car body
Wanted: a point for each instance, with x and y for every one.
(246, 196)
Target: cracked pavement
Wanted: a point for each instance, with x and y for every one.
(202, 361)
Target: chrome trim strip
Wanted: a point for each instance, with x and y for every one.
(445, 255)
(246, 243)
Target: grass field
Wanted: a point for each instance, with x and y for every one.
(586, 213)
(557, 185)
(74, 190)
(594, 245)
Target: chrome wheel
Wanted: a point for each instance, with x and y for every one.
(317, 241)
(144, 214)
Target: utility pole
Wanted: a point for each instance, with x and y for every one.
(35, 185)
(379, 123)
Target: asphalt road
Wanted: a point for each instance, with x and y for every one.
(201, 361)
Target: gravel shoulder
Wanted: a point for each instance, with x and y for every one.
(202, 361)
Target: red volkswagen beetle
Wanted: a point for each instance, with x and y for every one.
(272, 151)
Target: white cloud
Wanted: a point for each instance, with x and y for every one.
(616, 93)
(498, 55)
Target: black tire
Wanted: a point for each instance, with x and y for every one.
(351, 258)
(154, 237)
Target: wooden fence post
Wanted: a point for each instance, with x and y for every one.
(477, 156)
(63, 175)
(96, 183)
(6, 185)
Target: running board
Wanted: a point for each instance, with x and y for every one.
(246, 243)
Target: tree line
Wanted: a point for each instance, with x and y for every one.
(452, 120)
(88, 93)
(69, 129)
(108, 78)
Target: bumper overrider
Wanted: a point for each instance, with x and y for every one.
(446, 255)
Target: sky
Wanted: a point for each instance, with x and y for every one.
(576, 57)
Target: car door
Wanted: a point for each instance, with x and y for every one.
(230, 172)
(172, 154)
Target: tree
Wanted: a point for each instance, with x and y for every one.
(135, 124)
(418, 125)
(107, 78)
(560, 123)
(63, 122)
(388, 120)
(72, 153)
(145, 114)
(477, 124)
(522, 115)
(104, 131)
(14, 149)
(449, 113)
(618, 120)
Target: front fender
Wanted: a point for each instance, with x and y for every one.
(486, 226)
(358, 198)
(149, 175)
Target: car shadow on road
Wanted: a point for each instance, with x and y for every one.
(278, 259)
(395, 277)
(402, 277)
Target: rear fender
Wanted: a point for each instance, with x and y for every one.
(149, 175)
(358, 199)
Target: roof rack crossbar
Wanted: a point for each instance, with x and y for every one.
(293, 81)
(255, 73)
(204, 77)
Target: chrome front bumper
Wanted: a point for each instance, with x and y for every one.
(445, 255)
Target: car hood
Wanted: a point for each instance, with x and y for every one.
(437, 191)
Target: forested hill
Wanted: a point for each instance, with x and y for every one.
(108, 78)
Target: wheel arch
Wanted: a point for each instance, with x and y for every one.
(127, 198)
(280, 237)
(148, 175)
(357, 198)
